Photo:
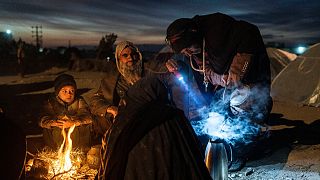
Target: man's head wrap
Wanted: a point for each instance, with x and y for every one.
(128, 72)
(121, 46)
(182, 33)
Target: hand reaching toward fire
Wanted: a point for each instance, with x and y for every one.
(64, 123)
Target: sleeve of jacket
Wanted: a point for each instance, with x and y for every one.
(48, 116)
(83, 115)
(250, 43)
(98, 103)
(240, 64)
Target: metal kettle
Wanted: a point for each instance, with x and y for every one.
(216, 159)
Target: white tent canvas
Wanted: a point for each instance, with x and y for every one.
(279, 59)
(299, 82)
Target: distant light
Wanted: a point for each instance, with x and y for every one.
(40, 49)
(8, 31)
(300, 49)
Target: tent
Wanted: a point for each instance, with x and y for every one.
(313, 51)
(299, 82)
(279, 59)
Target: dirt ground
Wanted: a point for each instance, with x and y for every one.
(292, 151)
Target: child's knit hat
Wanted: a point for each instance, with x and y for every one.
(64, 80)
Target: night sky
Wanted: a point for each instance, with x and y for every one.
(84, 22)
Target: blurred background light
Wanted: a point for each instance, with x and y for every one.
(8, 31)
(300, 49)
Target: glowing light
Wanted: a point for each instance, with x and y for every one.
(300, 49)
(65, 149)
(178, 75)
(8, 31)
(191, 92)
(65, 163)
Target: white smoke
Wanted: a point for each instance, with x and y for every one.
(220, 122)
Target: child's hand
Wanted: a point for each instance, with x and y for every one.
(58, 124)
(64, 124)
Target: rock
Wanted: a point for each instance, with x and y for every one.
(39, 169)
(93, 157)
(249, 171)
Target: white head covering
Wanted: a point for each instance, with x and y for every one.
(121, 46)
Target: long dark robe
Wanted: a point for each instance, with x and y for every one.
(151, 140)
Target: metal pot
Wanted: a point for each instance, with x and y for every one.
(216, 159)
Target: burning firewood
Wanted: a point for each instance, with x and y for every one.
(66, 163)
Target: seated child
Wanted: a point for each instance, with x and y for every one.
(63, 110)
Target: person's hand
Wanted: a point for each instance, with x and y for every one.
(172, 65)
(57, 123)
(216, 79)
(234, 80)
(64, 123)
(113, 110)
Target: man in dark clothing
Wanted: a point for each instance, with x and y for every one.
(150, 139)
(230, 65)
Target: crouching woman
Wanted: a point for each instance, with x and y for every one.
(63, 110)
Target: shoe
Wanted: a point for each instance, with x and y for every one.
(237, 165)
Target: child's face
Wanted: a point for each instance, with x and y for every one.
(67, 93)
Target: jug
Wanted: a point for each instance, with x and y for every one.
(216, 159)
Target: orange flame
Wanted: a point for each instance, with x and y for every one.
(65, 149)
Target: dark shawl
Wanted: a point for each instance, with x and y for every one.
(151, 140)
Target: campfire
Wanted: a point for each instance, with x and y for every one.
(66, 163)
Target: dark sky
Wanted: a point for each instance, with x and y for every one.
(84, 22)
